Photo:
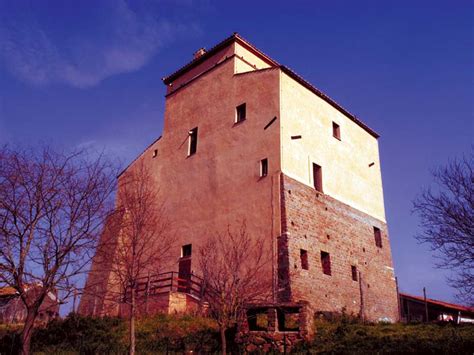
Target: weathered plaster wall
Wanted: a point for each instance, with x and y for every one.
(247, 59)
(220, 184)
(345, 163)
(316, 222)
(202, 67)
(227, 158)
(100, 292)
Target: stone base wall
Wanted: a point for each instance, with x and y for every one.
(167, 302)
(274, 339)
(314, 222)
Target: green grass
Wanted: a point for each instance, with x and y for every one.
(176, 334)
(342, 337)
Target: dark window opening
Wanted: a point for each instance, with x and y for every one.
(354, 272)
(317, 177)
(155, 153)
(378, 237)
(193, 136)
(304, 259)
(326, 263)
(336, 131)
(186, 250)
(257, 319)
(241, 111)
(288, 319)
(264, 167)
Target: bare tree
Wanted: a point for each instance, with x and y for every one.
(447, 222)
(52, 207)
(235, 273)
(144, 237)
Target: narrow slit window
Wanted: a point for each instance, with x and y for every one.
(378, 237)
(193, 136)
(241, 113)
(155, 153)
(304, 259)
(317, 177)
(336, 131)
(263, 167)
(186, 250)
(326, 263)
(354, 272)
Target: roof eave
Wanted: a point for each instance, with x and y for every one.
(226, 42)
(326, 98)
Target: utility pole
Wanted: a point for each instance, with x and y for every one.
(426, 305)
(398, 301)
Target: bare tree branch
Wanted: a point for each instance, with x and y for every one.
(446, 212)
(233, 266)
(52, 208)
(142, 238)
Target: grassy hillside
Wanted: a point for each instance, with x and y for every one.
(161, 334)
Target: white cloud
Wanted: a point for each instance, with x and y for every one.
(125, 41)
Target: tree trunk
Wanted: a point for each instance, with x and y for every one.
(132, 323)
(223, 341)
(27, 332)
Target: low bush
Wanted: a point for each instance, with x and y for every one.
(87, 335)
(177, 334)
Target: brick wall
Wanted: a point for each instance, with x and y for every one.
(316, 222)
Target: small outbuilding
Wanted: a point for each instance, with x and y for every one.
(12, 309)
(417, 309)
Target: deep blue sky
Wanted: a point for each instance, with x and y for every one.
(88, 73)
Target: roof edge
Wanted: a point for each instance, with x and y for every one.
(235, 37)
(326, 98)
(138, 157)
(438, 302)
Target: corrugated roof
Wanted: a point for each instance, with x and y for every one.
(439, 303)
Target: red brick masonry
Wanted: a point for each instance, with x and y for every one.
(316, 222)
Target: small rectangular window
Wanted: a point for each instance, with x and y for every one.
(304, 259)
(326, 263)
(241, 113)
(264, 167)
(336, 131)
(378, 237)
(288, 319)
(186, 250)
(257, 319)
(155, 153)
(193, 136)
(317, 177)
(354, 272)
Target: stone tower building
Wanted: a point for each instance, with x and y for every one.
(246, 138)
